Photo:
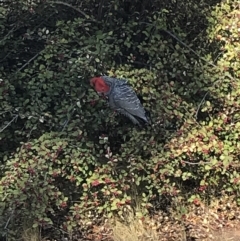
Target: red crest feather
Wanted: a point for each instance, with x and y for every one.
(99, 85)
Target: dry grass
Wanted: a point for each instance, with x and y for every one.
(32, 234)
(134, 231)
(131, 228)
(203, 224)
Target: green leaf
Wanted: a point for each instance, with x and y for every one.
(207, 167)
(41, 67)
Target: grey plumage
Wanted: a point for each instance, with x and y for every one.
(123, 99)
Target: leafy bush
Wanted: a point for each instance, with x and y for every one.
(65, 153)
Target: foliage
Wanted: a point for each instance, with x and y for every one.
(64, 153)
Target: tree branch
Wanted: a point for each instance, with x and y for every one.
(70, 6)
(7, 223)
(11, 31)
(199, 106)
(28, 62)
(190, 49)
(196, 163)
(9, 123)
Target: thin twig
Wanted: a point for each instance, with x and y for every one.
(199, 106)
(6, 56)
(28, 62)
(196, 163)
(100, 7)
(185, 45)
(29, 134)
(77, 9)
(9, 123)
(190, 49)
(211, 64)
(5, 227)
(65, 123)
(11, 31)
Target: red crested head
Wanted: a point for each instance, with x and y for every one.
(99, 85)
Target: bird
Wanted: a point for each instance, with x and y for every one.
(122, 98)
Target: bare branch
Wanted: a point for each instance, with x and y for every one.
(29, 134)
(196, 163)
(65, 123)
(199, 106)
(77, 9)
(190, 49)
(9, 123)
(100, 7)
(28, 62)
(6, 226)
(11, 31)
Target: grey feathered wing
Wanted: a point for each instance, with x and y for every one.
(124, 100)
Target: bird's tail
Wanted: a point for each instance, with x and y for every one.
(148, 116)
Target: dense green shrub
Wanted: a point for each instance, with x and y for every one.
(65, 153)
